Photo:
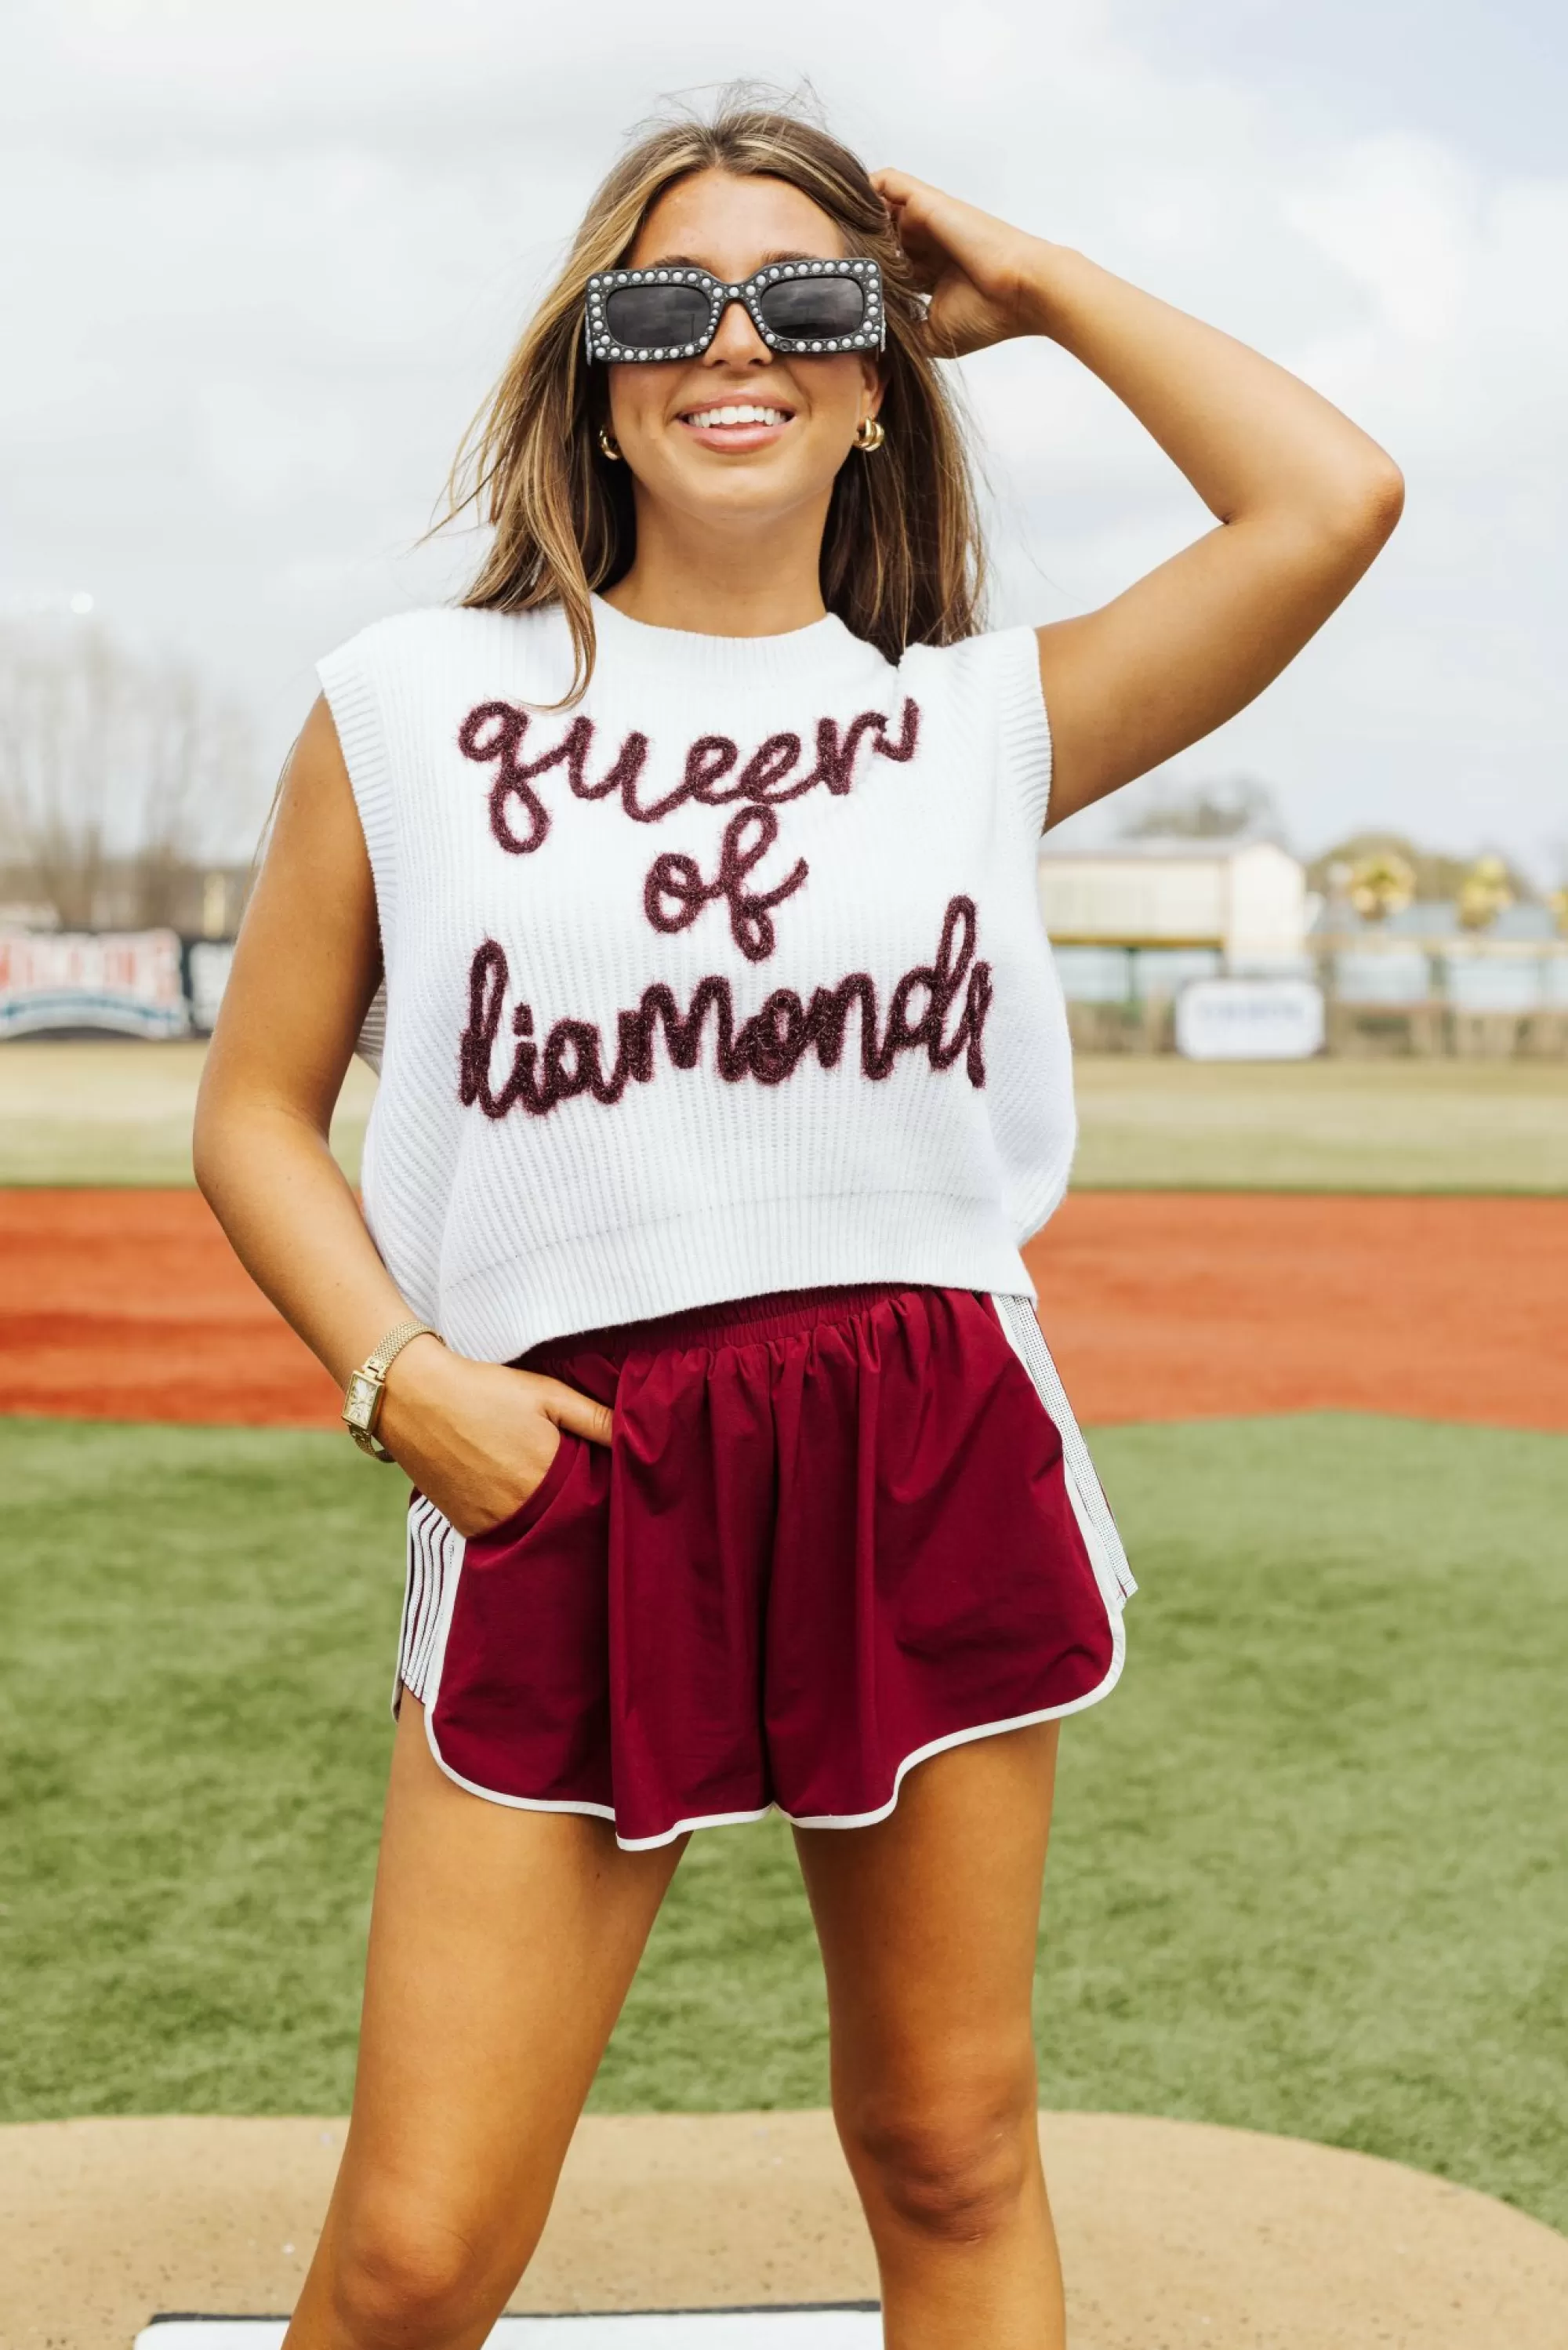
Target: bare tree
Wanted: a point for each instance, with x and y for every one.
(118, 772)
(1167, 810)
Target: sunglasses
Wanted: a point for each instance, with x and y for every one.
(674, 314)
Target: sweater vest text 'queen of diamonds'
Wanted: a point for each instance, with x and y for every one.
(728, 977)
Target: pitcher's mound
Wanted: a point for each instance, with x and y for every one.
(1175, 2235)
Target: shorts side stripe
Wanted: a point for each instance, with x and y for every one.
(1018, 1319)
(434, 1550)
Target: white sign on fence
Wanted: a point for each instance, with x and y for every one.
(123, 980)
(1250, 1020)
(209, 963)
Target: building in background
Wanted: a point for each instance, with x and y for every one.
(1244, 902)
(1480, 970)
(1133, 925)
(1422, 979)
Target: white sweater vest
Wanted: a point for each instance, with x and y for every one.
(731, 978)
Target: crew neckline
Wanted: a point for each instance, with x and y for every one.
(792, 652)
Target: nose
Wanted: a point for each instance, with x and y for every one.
(736, 342)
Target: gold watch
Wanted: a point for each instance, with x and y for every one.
(366, 1386)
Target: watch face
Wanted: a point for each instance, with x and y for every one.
(359, 1402)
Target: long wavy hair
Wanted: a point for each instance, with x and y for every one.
(902, 559)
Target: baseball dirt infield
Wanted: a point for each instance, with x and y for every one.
(1175, 2234)
(129, 1305)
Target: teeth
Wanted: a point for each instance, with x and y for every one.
(735, 412)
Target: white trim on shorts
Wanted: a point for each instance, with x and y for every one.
(435, 1559)
(1019, 1320)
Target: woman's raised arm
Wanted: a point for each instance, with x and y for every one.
(1303, 498)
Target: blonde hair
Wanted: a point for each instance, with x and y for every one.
(902, 560)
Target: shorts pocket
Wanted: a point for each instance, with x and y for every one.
(534, 1504)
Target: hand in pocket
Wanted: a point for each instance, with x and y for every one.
(480, 1439)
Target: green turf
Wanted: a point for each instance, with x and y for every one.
(1340, 1125)
(120, 1112)
(117, 1111)
(1307, 1873)
(197, 1658)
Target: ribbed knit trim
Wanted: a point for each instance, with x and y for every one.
(813, 654)
(734, 1251)
(1024, 729)
(348, 683)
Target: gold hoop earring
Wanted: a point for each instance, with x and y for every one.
(607, 442)
(868, 435)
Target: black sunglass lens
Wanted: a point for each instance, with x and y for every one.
(652, 318)
(808, 310)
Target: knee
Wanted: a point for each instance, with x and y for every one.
(404, 2280)
(954, 2166)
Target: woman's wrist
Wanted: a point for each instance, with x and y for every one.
(1050, 283)
(418, 1380)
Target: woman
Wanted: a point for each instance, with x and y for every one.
(724, 1071)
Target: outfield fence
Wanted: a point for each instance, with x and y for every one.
(1471, 999)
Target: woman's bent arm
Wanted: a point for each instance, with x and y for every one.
(1303, 498)
(305, 966)
(475, 1437)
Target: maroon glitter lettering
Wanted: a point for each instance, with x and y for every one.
(835, 753)
(770, 765)
(909, 735)
(768, 1046)
(678, 876)
(494, 732)
(710, 757)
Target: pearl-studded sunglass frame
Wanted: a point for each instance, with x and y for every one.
(796, 307)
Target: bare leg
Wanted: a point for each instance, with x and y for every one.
(502, 1945)
(928, 1924)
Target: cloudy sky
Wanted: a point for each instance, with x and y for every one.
(262, 261)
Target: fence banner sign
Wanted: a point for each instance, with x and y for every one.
(207, 962)
(1250, 1020)
(126, 981)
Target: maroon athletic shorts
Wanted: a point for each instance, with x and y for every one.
(833, 1534)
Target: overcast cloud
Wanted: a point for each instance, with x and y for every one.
(261, 262)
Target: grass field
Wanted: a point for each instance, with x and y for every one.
(1307, 1875)
(120, 1113)
(1157, 1123)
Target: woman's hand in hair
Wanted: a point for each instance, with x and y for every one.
(978, 272)
(478, 1437)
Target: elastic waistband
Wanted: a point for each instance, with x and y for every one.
(744, 1321)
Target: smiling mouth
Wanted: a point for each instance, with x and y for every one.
(735, 416)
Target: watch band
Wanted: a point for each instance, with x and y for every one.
(362, 1396)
